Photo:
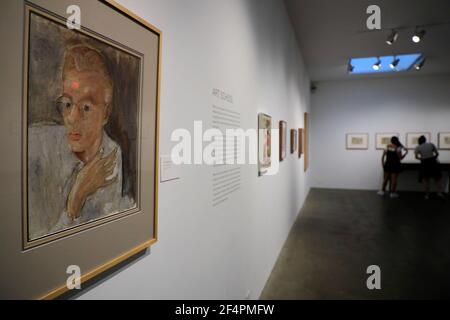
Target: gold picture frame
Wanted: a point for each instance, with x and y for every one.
(306, 140)
(300, 142)
(141, 220)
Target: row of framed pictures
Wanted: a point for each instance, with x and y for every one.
(360, 141)
(298, 141)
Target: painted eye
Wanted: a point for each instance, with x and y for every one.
(86, 108)
(63, 104)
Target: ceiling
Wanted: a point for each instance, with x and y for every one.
(332, 31)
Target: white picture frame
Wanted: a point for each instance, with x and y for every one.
(383, 139)
(413, 137)
(444, 141)
(357, 141)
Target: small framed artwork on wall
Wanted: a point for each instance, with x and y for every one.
(412, 139)
(300, 142)
(306, 141)
(444, 141)
(283, 129)
(293, 140)
(382, 140)
(264, 143)
(357, 141)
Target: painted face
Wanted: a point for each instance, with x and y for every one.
(84, 110)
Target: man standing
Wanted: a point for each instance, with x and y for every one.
(427, 153)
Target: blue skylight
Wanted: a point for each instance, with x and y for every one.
(365, 65)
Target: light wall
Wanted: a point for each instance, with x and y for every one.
(400, 104)
(246, 48)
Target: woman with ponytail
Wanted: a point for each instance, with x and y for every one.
(391, 161)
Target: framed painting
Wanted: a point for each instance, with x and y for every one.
(412, 139)
(357, 141)
(294, 140)
(87, 136)
(306, 141)
(444, 141)
(283, 132)
(300, 143)
(382, 140)
(264, 143)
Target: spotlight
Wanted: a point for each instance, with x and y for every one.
(377, 66)
(394, 63)
(419, 64)
(418, 35)
(392, 38)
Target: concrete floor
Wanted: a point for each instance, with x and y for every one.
(339, 233)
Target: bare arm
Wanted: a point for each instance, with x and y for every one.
(383, 158)
(436, 152)
(403, 155)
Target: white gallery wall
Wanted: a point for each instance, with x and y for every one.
(248, 49)
(396, 104)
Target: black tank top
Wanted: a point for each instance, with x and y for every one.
(392, 155)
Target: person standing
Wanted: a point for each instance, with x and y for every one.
(391, 162)
(428, 155)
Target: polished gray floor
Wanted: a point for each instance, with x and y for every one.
(340, 233)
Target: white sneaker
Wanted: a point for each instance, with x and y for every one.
(381, 193)
(395, 195)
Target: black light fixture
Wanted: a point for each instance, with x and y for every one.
(419, 64)
(377, 65)
(418, 35)
(392, 37)
(350, 67)
(394, 63)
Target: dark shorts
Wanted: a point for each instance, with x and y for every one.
(392, 168)
(430, 168)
